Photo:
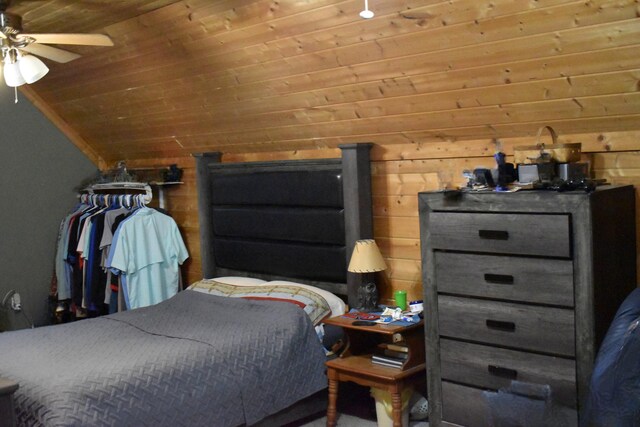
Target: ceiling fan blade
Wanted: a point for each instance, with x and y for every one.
(49, 52)
(81, 39)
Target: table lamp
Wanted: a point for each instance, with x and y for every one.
(366, 258)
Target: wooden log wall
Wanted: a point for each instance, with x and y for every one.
(437, 85)
(401, 171)
(282, 75)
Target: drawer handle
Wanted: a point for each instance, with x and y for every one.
(500, 279)
(499, 371)
(501, 325)
(493, 234)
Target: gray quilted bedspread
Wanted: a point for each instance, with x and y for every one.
(196, 359)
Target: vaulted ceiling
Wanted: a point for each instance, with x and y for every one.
(239, 76)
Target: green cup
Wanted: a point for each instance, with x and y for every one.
(401, 299)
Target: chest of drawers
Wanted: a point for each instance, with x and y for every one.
(520, 286)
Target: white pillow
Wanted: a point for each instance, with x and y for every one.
(240, 281)
(338, 307)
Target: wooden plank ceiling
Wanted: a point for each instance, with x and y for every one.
(243, 76)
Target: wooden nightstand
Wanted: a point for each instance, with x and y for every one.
(355, 363)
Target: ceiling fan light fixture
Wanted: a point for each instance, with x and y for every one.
(31, 68)
(12, 75)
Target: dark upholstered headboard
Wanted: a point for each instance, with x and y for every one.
(292, 220)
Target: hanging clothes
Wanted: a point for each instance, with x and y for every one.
(94, 278)
(62, 267)
(148, 250)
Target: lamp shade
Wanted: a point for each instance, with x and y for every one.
(31, 68)
(12, 75)
(366, 258)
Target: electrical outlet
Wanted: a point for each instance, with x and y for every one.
(16, 305)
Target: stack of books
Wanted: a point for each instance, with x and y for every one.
(391, 355)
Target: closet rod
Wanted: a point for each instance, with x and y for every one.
(128, 186)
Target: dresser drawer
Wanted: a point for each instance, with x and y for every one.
(464, 406)
(524, 234)
(473, 407)
(545, 281)
(544, 329)
(492, 367)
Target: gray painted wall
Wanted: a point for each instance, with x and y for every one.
(40, 171)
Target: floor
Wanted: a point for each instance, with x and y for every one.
(351, 421)
(356, 408)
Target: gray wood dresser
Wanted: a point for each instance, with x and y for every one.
(520, 286)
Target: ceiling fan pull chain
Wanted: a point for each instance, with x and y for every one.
(15, 89)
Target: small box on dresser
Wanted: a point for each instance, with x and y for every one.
(520, 286)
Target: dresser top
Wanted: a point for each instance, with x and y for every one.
(520, 201)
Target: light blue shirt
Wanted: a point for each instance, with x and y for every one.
(148, 248)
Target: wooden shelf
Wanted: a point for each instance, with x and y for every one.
(379, 328)
(362, 364)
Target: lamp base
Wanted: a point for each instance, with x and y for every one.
(368, 298)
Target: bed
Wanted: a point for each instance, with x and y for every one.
(228, 353)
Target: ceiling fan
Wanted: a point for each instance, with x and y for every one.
(18, 48)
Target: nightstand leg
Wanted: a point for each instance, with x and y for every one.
(396, 404)
(333, 398)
